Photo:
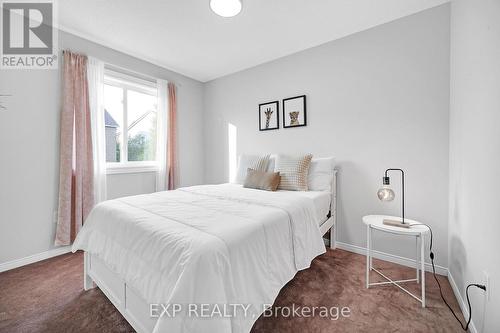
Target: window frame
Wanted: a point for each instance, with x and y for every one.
(127, 83)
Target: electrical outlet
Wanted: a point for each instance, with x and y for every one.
(486, 282)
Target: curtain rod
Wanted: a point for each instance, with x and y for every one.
(111, 66)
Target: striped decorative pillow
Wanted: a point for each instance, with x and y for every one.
(261, 163)
(293, 172)
(255, 162)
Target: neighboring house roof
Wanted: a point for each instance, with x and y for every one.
(109, 121)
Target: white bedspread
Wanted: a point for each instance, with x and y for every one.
(212, 244)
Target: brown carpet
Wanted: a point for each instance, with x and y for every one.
(48, 297)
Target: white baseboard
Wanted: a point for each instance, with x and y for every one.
(463, 306)
(344, 246)
(391, 258)
(34, 258)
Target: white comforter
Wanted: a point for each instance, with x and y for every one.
(212, 244)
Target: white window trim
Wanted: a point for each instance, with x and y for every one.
(113, 168)
(129, 82)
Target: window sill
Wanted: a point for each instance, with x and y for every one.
(130, 168)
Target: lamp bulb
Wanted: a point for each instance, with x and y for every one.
(385, 193)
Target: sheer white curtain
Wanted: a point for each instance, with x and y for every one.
(95, 75)
(161, 135)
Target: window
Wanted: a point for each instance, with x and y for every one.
(130, 111)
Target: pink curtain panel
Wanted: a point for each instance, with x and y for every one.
(172, 138)
(76, 195)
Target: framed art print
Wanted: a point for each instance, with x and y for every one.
(294, 111)
(269, 118)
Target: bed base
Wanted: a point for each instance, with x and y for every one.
(125, 299)
(128, 301)
(331, 222)
(329, 225)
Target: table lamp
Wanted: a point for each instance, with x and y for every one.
(385, 193)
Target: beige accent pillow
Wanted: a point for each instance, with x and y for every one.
(262, 180)
(293, 171)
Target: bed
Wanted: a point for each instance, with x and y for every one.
(212, 245)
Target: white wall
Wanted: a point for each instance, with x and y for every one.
(376, 99)
(121, 185)
(475, 154)
(29, 162)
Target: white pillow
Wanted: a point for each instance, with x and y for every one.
(256, 162)
(321, 174)
(272, 163)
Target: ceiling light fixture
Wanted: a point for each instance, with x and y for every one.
(226, 8)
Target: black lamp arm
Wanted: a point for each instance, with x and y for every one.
(386, 182)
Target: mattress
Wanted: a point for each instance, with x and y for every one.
(321, 200)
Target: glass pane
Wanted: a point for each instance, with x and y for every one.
(113, 117)
(141, 118)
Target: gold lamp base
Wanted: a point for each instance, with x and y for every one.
(395, 223)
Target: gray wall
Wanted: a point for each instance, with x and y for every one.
(376, 99)
(29, 132)
(475, 155)
(121, 185)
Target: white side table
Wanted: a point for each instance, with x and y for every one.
(418, 231)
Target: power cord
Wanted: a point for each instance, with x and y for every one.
(480, 286)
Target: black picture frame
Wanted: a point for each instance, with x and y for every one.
(273, 104)
(304, 110)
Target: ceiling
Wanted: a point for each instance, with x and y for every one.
(187, 37)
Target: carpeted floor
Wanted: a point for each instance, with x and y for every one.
(48, 297)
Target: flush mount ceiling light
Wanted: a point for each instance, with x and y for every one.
(226, 8)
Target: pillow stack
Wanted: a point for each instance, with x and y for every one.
(289, 173)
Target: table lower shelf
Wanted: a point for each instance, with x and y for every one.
(419, 261)
(395, 283)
